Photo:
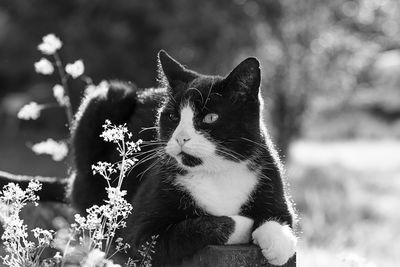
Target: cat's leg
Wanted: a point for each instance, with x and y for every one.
(241, 233)
(185, 238)
(274, 218)
(277, 241)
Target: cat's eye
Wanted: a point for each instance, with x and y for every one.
(210, 118)
(173, 117)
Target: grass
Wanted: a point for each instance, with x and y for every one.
(347, 194)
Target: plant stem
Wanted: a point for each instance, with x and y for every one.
(64, 82)
(122, 171)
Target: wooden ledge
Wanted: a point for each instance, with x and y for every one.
(230, 256)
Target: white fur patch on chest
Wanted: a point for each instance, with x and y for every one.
(221, 193)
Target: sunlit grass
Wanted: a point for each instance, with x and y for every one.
(348, 196)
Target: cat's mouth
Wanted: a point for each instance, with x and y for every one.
(189, 160)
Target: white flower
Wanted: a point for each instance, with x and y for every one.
(50, 44)
(44, 237)
(101, 87)
(57, 256)
(20, 251)
(112, 133)
(57, 150)
(95, 258)
(44, 66)
(30, 111)
(105, 169)
(109, 263)
(75, 69)
(34, 185)
(59, 95)
(90, 89)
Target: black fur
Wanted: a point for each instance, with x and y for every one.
(159, 207)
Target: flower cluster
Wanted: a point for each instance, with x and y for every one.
(126, 149)
(97, 258)
(94, 234)
(105, 169)
(103, 221)
(75, 69)
(50, 44)
(146, 250)
(20, 251)
(30, 111)
(14, 198)
(49, 47)
(102, 86)
(59, 95)
(117, 134)
(90, 241)
(57, 150)
(44, 66)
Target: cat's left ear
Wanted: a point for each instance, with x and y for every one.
(244, 81)
(172, 72)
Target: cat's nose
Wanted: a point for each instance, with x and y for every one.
(182, 138)
(182, 141)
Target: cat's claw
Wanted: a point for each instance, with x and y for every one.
(277, 242)
(242, 231)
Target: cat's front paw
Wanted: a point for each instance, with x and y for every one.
(242, 230)
(277, 242)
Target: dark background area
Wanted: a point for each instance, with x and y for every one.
(331, 79)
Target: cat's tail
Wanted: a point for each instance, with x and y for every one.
(116, 102)
(119, 103)
(53, 188)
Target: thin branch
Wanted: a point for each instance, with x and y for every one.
(64, 82)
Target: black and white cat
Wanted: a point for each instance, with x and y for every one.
(215, 178)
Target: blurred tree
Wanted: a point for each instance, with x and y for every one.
(309, 48)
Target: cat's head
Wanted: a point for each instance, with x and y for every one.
(209, 119)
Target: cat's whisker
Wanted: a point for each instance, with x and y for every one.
(148, 128)
(197, 90)
(168, 161)
(225, 149)
(151, 166)
(172, 97)
(152, 142)
(141, 153)
(148, 148)
(137, 163)
(208, 95)
(233, 152)
(228, 154)
(147, 157)
(254, 142)
(144, 159)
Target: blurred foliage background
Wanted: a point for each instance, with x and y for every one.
(331, 80)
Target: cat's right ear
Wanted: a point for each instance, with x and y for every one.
(171, 73)
(244, 81)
